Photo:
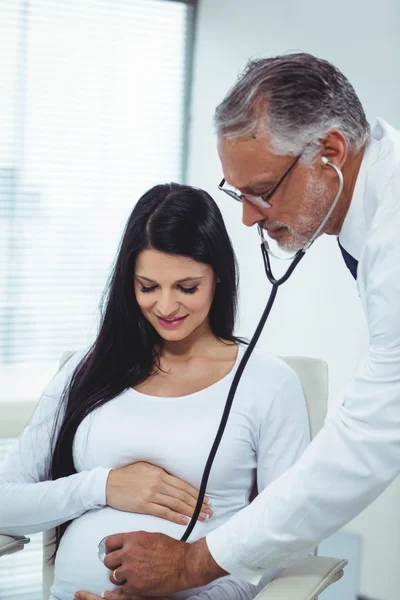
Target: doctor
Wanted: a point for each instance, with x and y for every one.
(276, 128)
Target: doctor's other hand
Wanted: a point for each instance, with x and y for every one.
(147, 489)
(154, 564)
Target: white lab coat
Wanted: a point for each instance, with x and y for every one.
(357, 453)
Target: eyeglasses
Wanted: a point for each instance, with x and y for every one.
(261, 201)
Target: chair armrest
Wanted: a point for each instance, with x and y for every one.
(304, 580)
(10, 544)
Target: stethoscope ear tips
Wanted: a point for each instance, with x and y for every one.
(324, 160)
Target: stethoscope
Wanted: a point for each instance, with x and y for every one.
(276, 283)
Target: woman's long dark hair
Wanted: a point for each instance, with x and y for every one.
(174, 219)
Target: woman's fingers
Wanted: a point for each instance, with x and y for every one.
(180, 502)
(186, 493)
(182, 495)
(169, 515)
(182, 485)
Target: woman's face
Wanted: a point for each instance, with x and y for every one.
(175, 293)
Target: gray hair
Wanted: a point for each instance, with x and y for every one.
(298, 98)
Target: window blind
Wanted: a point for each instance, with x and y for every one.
(93, 112)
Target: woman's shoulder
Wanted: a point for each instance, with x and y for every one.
(266, 368)
(270, 386)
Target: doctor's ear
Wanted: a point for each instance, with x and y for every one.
(334, 148)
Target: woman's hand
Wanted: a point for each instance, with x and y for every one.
(147, 489)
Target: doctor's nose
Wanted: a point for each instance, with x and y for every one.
(251, 214)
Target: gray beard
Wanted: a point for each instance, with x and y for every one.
(314, 203)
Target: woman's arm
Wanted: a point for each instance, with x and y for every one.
(284, 431)
(28, 502)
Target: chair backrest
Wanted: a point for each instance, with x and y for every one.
(313, 376)
(13, 417)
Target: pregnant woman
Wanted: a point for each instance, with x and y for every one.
(120, 438)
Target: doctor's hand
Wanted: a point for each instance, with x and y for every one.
(153, 564)
(147, 489)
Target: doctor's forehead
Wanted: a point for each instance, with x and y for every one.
(247, 159)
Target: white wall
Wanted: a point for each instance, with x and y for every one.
(318, 313)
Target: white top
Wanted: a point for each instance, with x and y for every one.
(357, 453)
(266, 433)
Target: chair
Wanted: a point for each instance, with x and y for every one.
(305, 579)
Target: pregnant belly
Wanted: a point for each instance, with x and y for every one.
(77, 565)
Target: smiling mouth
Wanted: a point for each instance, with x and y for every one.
(171, 322)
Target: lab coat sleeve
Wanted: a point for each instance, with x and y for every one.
(284, 431)
(28, 502)
(356, 454)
